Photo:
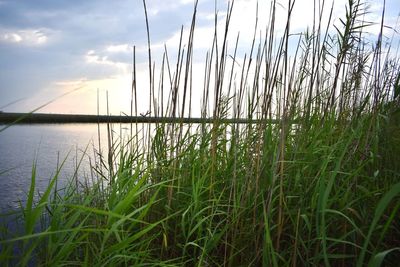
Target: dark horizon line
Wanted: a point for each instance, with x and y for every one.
(30, 118)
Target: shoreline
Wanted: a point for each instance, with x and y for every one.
(37, 118)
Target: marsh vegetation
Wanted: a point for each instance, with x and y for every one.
(320, 187)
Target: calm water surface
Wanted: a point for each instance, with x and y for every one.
(48, 145)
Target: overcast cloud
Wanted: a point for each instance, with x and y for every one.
(50, 47)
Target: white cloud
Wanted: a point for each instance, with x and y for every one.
(93, 57)
(12, 37)
(29, 37)
(155, 7)
(185, 2)
(82, 97)
(120, 48)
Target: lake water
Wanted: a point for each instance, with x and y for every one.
(48, 145)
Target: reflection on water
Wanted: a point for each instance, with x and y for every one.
(48, 145)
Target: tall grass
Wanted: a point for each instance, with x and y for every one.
(318, 188)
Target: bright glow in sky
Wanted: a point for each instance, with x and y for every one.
(48, 48)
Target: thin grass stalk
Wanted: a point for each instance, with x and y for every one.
(110, 142)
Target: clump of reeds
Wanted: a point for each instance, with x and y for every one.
(311, 180)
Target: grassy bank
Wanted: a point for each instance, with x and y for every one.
(323, 191)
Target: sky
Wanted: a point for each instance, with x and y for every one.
(50, 48)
